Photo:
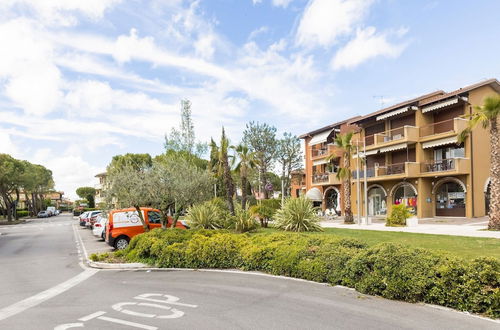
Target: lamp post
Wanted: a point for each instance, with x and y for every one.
(358, 188)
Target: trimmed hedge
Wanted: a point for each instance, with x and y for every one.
(389, 270)
(22, 213)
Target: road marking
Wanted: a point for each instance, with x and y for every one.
(77, 234)
(68, 326)
(172, 300)
(37, 299)
(132, 324)
(91, 316)
(175, 312)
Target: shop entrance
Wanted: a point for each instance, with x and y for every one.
(405, 194)
(376, 202)
(450, 200)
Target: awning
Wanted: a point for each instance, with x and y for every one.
(394, 147)
(440, 142)
(382, 150)
(443, 104)
(319, 162)
(315, 195)
(396, 112)
(320, 138)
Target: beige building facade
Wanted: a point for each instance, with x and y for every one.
(412, 157)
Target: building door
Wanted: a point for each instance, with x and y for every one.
(376, 202)
(332, 200)
(450, 200)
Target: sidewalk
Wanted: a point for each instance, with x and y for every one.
(473, 228)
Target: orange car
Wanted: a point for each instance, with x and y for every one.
(125, 223)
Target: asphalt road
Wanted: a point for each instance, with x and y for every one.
(39, 256)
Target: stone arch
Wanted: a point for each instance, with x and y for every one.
(330, 188)
(400, 184)
(448, 179)
(378, 186)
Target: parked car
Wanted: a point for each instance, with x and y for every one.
(82, 217)
(43, 214)
(91, 219)
(124, 224)
(51, 210)
(100, 227)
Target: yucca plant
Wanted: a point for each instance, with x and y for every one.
(297, 214)
(244, 221)
(204, 216)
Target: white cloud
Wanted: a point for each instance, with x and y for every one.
(366, 45)
(281, 3)
(32, 81)
(324, 21)
(7, 145)
(61, 12)
(256, 32)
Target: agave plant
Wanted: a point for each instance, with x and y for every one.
(297, 214)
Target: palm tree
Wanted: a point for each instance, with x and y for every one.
(247, 160)
(488, 116)
(343, 141)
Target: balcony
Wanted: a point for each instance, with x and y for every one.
(324, 151)
(451, 166)
(325, 179)
(442, 129)
(391, 172)
(393, 136)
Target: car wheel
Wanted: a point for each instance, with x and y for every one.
(121, 243)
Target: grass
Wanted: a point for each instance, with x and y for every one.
(465, 247)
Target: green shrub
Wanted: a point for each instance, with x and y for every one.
(388, 270)
(298, 214)
(22, 213)
(398, 216)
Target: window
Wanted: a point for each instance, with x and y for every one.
(154, 217)
(449, 153)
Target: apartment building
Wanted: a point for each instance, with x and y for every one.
(412, 157)
(100, 188)
(322, 161)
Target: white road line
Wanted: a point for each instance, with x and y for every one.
(131, 324)
(91, 316)
(37, 299)
(77, 234)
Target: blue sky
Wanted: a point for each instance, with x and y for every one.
(83, 80)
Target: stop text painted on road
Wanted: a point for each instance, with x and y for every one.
(153, 300)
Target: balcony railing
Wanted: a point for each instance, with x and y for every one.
(391, 169)
(370, 173)
(455, 125)
(320, 178)
(439, 165)
(409, 133)
(319, 152)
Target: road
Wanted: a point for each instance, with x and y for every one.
(43, 255)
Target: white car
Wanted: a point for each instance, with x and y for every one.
(100, 226)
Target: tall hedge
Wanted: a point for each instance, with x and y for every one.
(389, 270)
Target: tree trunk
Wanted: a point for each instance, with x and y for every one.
(144, 224)
(177, 214)
(243, 192)
(16, 205)
(494, 215)
(346, 185)
(263, 182)
(228, 183)
(28, 204)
